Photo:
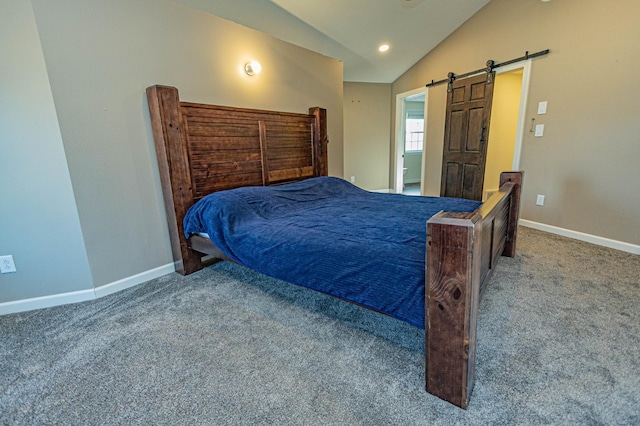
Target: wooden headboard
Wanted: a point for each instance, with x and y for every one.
(205, 148)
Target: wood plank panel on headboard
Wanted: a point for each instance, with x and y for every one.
(289, 149)
(231, 147)
(224, 153)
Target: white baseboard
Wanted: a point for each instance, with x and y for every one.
(594, 239)
(83, 295)
(46, 301)
(134, 280)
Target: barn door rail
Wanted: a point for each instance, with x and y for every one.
(491, 65)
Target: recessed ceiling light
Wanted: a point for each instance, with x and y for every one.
(383, 47)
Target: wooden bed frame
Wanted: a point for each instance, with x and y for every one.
(205, 148)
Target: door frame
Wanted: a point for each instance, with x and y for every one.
(400, 113)
(399, 138)
(522, 112)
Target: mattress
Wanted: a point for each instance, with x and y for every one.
(329, 235)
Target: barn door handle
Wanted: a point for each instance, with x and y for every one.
(484, 127)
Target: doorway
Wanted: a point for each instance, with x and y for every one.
(507, 123)
(409, 142)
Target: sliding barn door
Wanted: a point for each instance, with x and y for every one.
(465, 137)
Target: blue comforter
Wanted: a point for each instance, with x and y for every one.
(326, 234)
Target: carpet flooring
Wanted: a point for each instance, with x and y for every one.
(558, 343)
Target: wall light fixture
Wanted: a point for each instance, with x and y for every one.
(252, 68)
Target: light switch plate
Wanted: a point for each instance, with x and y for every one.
(542, 107)
(539, 130)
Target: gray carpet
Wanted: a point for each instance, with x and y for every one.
(558, 343)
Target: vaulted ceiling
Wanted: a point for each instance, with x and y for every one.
(352, 30)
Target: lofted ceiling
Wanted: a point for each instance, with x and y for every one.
(352, 30)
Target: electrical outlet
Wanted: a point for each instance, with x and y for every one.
(353, 179)
(7, 264)
(540, 200)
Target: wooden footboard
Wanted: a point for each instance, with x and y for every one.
(462, 251)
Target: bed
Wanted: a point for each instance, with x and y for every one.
(208, 152)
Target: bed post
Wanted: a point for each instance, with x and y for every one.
(452, 294)
(462, 250)
(320, 141)
(514, 214)
(169, 135)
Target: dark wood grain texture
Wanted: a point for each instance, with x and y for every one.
(170, 137)
(462, 251)
(514, 213)
(466, 132)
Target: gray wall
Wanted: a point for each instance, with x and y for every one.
(366, 133)
(40, 225)
(100, 57)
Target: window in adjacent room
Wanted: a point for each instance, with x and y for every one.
(414, 136)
